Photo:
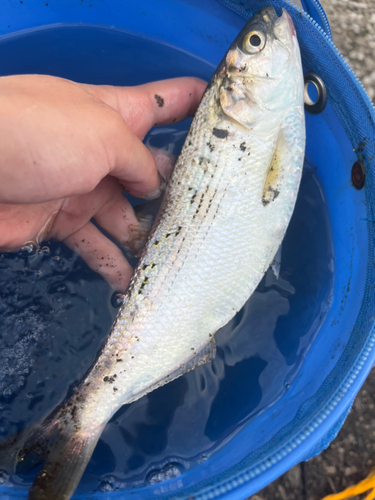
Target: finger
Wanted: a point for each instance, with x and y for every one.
(107, 197)
(110, 209)
(132, 163)
(157, 103)
(20, 224)
(101, 255)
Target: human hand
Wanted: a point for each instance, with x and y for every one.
(68, 150)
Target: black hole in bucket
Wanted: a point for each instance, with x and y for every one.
(358, 175)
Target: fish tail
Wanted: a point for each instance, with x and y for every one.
(67, 459)
(63, 448)
(16, 448)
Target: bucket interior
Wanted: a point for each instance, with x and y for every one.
(272, 359)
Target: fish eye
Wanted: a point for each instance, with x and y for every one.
(253, 42)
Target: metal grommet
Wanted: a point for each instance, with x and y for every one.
(319, 104)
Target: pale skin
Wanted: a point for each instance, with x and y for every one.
(68, 151)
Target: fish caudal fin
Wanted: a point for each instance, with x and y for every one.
(64, 466)
(32, 440)
(62, 447)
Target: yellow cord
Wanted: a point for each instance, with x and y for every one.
(357, 489)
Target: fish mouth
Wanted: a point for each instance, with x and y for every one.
(286, 20)
(270, 22)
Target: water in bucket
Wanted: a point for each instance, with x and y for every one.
(272, 395)
(54, 320)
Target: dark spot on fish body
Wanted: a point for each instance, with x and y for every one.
(159, 101)
(220, 133)
(74, 412)
(243, 146)
(210, 146)
(271, 195)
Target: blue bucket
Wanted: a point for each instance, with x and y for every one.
(290, 364)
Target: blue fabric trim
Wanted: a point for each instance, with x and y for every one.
(316, 11)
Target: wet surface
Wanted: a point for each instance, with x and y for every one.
(351, 456)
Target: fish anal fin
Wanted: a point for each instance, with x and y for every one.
(205, 355)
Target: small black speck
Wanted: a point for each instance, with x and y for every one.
(243, 146)
(159, 101)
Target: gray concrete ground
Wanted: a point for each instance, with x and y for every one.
(351, 456)
(353, 30)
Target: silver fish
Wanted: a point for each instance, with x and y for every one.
(223, 217)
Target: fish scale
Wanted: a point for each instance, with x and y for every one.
(174, 312)
(224, 214)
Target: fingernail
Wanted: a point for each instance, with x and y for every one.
(155, 194)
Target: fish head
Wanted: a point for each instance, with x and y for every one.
(261, 72)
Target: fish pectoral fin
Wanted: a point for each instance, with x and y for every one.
(67, 459)
(273, 180)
